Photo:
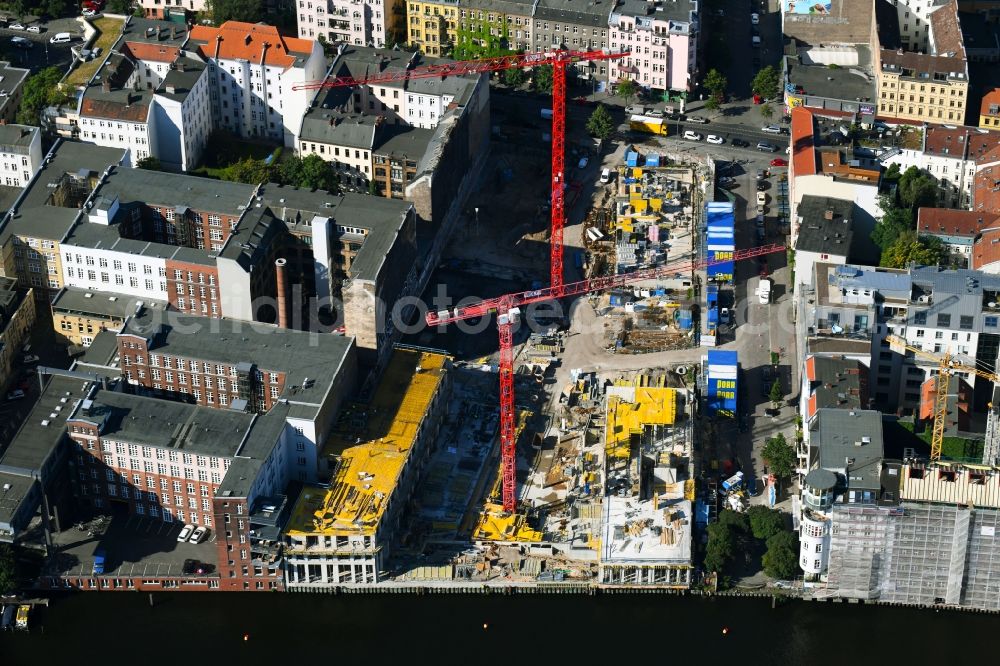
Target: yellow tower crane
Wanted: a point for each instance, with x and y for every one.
(946, 365)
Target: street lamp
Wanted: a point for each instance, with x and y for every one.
(476, 209)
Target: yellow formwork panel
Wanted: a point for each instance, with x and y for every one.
(495, 525)
(656, 203)
(639, 205)
(652, 406)
(371, 459)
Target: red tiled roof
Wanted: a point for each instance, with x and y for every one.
(989, 99)
(803, 152)
(99, 108)
(985, 251)
(245, 41)
(986, 190)
(962, 142)
(950, 222)
(152, 52)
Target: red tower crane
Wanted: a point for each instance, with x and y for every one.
(507, 309)
(559, 61)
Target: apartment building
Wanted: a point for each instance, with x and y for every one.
(395, 159)
(239, 366)
(989, 110)
(491, 26)
(165, 9)
(17, 317)
(360, 22)
(79, 315)
(32, 230)
(342, 533)
(345, 140)
(953, 155)
(182, 114)
(577, 25)
(662, 38)
(824, 233)
(11, 91)
(846, 450)
(253, 71)
(925, 76)
(957, 229)
(432, 25)
(20, 154)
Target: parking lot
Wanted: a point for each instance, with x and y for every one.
(132, 546)
(43, 54)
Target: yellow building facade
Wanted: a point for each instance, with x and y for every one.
(989, 110)
(432, 25)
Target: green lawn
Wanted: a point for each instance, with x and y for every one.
(109, 30)
(224, 149)
(952, 448)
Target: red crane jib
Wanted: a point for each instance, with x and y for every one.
(504, 303)
(460, 67)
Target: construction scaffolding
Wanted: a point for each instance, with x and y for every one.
(925, 554)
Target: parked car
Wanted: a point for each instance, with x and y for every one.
(34, 28)
(22, 42)
(199, 535)
(16, 394)
(739, 143)
(185, 533)
(767, 147)
(761, 175)
(715, 139)
(584, 161)
(692, 136)
(89, 12)
(605, 176)
(761, 198)
(763, 185)
(754, 18)
(194, 567)
(29, 359)
(16, 26)
(724, 316)
(779, 162)
(698, 120)
(770, 129)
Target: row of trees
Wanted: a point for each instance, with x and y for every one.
(895, 233)
(40, 90)
(734, 533)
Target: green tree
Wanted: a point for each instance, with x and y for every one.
(767, 83)
(766, 111)
(736, 520)
(916, 189)
(8, 569)
(316, 174)
(712, 103)
(149, 163)
(894, 221)
(716, 84)
(120, 6)
(542, 78)
(892, 173)
(782, 557)
(625, 89)
(910, 248)
(247, 170)
(779, 455)
(720, 548)
(600, 123)
(17, 7)
(248, 11)
(765, 522)
(39, 91)
(514, 77)
(776, 394)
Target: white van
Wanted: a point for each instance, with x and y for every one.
(61, 38)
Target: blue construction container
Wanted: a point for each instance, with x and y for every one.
(685, 320)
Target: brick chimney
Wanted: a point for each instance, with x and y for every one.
(106, 84)
(828, 215)
(279, 269)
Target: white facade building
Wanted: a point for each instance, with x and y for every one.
(183, 115)
(662, 40)
(358, 22)
(253, 72)
(20, 154)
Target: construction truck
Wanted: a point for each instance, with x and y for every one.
(648, 124)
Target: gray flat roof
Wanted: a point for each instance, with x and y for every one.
(13, 488)
(361, 61)
(34, 442)
(165, 423)
(582, 12)
(341, 129)
(144, 30)
(383, 218)
(36, 216)
(258, 446)
(839, 382)
(101, 352)
(300, 354)
(108, 304)
(411, 142)
(674, 10)
(822, 81)
(181, 82)
(888, 282)
(11, 77)
(819, 234)
(16, 138)
(840, 436)
(164, 188)
(252, 238)
(99, 236)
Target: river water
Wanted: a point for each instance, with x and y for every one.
(120, 627)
